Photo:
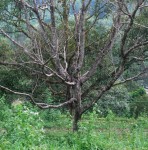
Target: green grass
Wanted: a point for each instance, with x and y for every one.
(102, 134)
(20, 129)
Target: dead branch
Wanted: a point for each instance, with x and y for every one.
(40, 105)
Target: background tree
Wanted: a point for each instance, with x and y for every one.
(59, 45)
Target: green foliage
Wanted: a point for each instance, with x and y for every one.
(47, 95)
(4, 4)
(3, 108)
(138, 93)
(21, 127)
(15, 80)
(115, 100)
(110, 133)
(25, 127)
(5, 49)
(139, 102)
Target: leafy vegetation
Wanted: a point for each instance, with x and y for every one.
(23, 126)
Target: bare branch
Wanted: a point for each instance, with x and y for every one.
(137, 45)
(108, 46)
(12, 40)
(17, 44)
(105, 88)
(131, 78)
(46, 106)
(40, 105)
(127, 30)
(141, 25)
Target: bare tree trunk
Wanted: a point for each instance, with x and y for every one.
(77, 117)
(75, 107)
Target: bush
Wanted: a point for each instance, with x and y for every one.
(138, 92)
(21, 127)
(116, 100)
(139, 102)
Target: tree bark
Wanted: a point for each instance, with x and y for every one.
(77, 117)
(75, 107)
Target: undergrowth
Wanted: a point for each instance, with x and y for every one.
(24, 127)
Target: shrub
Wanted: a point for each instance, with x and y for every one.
(139, 102)
(22, 127)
